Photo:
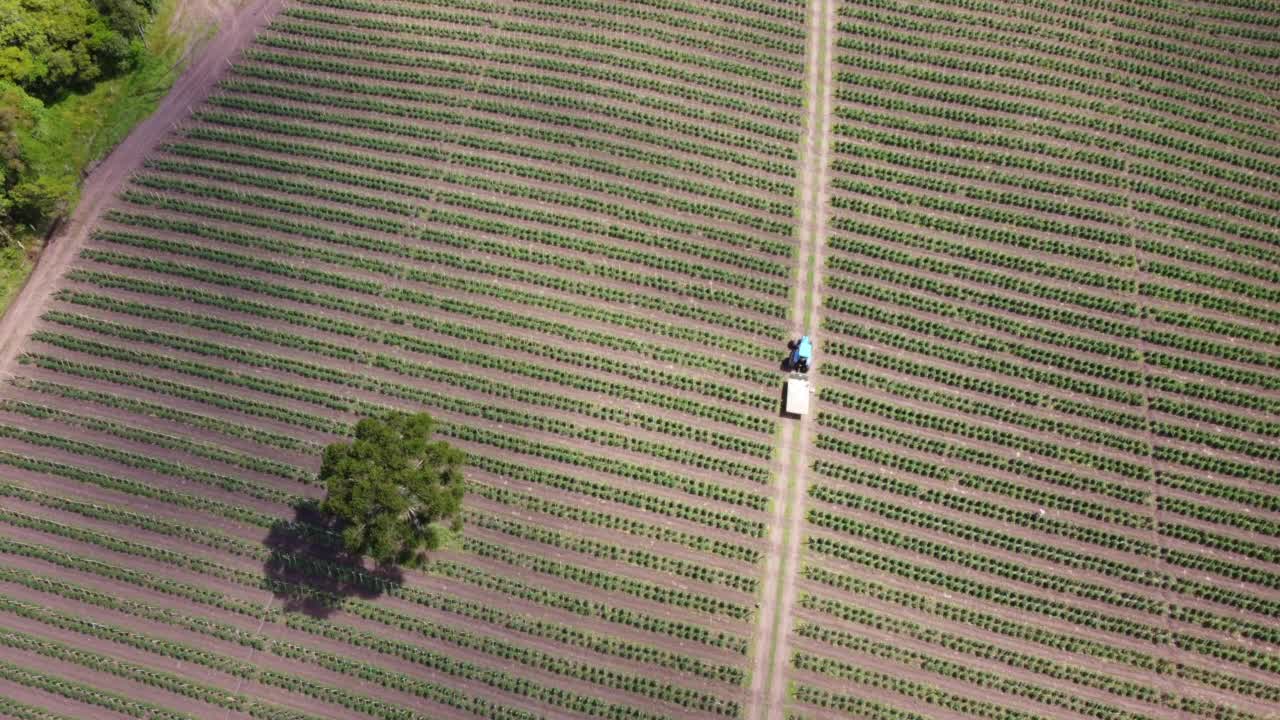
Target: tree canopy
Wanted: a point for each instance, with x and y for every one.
(391, 488)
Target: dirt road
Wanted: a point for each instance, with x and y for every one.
(768, 681)
(236, 29)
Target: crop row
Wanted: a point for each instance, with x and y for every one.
(606, 581)
(1032, 604)
(981, 385)
(136, 406)
(1026, 631)
(355, 576)
(1037, 332)
(282, 389)
(993, 460)
(1058, 428)
(163, 440)
(447, 41)
(972, 535)
(89, 695)
(258, 141)
(430, 300)
(1012, 658)
(980, 360)
(627, 526)
(404, 367)
(1011, 439)
(701, 88)
(1065, 700)
(612, 552)
(737, 149)
(441, 259)
(417, 345)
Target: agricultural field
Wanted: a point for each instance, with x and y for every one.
(1035, 244)
(1044, 471)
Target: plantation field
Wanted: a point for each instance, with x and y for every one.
(1036, 246)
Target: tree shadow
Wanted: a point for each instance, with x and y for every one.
(309, 570)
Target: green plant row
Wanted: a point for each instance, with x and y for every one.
(612, 552)
(165, 412)
(369, 611)
(1037, 332)
(320, 373)
(174, 442)
(1232, 352)
(1248, 522)
(1221, 466)
(1210, 301)
(1104, 511)
(579, 61)
(1043, 159)
(984, 211)
(258, 141)
(760, 173)
(22, 711)
(959, 704)
(628, 526)
(470, 333)
(712, 210)
(1022, 22)
(564, 282)
(986, 277)
(1016, 440)
(957, 293)
(848, 642)
(750, 40)
(968, 251)
(1000, 236)
(1026, 631)
(965, 503)
(608, 582)
(979, 563)
(1213, 440)
(579, 604)
(145, 381)
(220, 697)
(150, 464)
(1213, 392)
(961, 453)
(391, 34)
(470, 309)
(1051, 608)
(935, 166)
(736, 149)
(972, 535)
(605, 677)
(730, 22)
(84, 693)
(952, 66)
(403, 367)
(980, 360)
(440, 350)
(503, 441)
(987, 651)
(647, 501)
(1227, 491)
(1185, 234)
(478, 611)
(1101, 132)
(983, 386)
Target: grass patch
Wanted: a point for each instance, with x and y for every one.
(71, 134)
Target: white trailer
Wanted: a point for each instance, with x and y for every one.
(797, 402)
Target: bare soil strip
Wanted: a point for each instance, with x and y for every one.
(768, 686)
(237, 26)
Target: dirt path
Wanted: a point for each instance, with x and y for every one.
(237, 28)
(772, 642)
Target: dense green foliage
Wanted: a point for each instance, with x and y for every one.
(390, 487)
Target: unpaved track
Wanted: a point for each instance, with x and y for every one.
(237, 28)
(772, 647)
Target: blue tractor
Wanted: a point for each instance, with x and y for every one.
(801, 354)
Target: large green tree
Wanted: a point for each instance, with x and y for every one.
(392, 488)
